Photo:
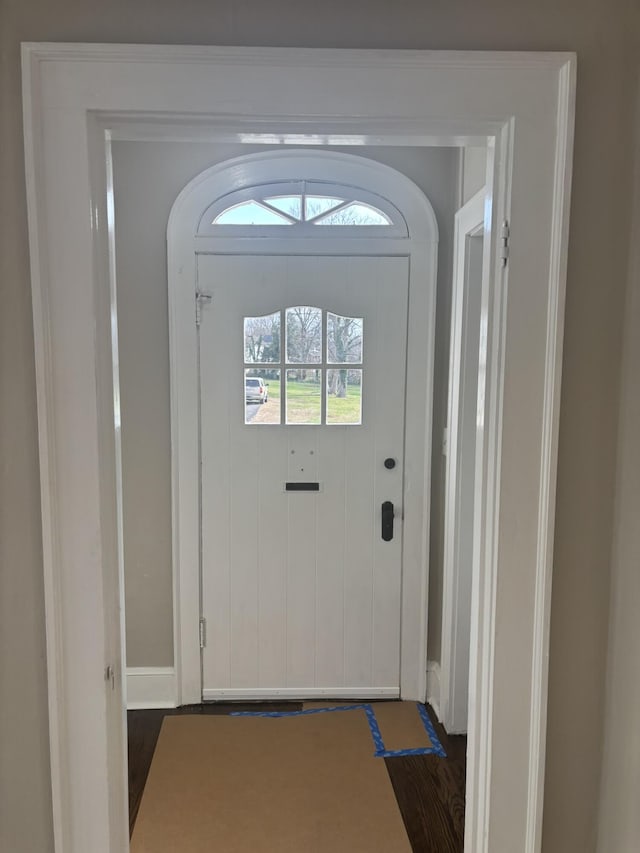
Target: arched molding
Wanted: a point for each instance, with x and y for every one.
(416, 238)
(370, 178)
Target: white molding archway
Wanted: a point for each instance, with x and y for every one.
(185, 240)
(76, 99)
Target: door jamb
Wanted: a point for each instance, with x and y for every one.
(469, 222)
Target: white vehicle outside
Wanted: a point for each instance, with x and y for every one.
(255, 390)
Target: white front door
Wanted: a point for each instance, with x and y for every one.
(301, 554)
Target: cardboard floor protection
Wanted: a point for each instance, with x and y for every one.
(299, 784)
(400, 723)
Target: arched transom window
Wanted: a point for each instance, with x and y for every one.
(302, 206)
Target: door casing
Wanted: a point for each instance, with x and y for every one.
(77, 97)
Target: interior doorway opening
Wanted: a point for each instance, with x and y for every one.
(261, 277)
(142, 317)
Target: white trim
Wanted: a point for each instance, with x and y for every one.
(463, 361)
(480, 743)
(288, 693)
(549, 451)
(60, 773)
(151, 687)
(433, 687)
(399, 98)
(184, 245)
(344, 246)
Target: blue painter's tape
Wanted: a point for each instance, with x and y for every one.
(431, 731)
(298, 713)
(434, 749)
(380, 750)
(394, 753)
(374, 728)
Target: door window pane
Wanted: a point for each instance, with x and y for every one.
(289, 204)
(304, 335)
(356, 213)
(250, 213)
(261, 396)
(304, 396)
(321, 379)
(314, 205)
(302, 204)
(344, 339)
(344, 396)
(262, 339)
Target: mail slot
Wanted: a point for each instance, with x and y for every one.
(302, 487)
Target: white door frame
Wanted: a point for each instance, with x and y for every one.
(78, 97)
(185, 240)
(463, 361)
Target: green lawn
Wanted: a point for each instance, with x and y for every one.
(274, 390)
(303, 402)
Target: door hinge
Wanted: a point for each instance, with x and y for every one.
(110, 676)
(201, 299)
(203, 632)
(505, 233)
(445, 441)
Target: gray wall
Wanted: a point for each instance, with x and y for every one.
(605, 34)
(147, 178)
(620, 815)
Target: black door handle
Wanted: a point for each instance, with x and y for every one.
(387, 521)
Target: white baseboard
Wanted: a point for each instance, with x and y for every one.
(266, 693)
(433, 686)
(151, 687)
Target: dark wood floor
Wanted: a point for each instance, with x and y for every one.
(429, 790)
